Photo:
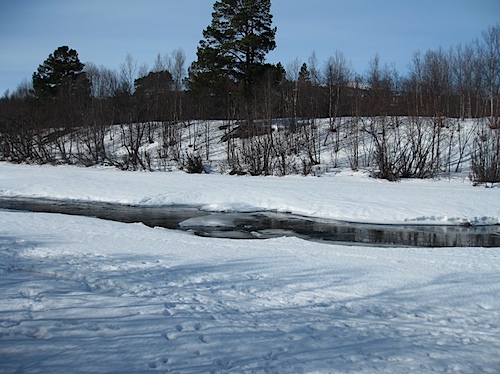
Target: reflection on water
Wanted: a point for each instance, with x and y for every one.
(263, 225)
(267, 225)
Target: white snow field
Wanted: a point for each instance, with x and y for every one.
(83, 295)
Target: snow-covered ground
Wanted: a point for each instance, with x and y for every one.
(85, 295)
(346, 196)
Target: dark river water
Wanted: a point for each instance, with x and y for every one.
(264, 225)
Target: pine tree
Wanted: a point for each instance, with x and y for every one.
(304, 74)
(62, 72)
(235, 46)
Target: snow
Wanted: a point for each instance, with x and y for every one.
(345, 196)
(84, 295)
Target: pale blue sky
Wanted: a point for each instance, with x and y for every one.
(104, 31)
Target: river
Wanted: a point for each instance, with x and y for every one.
(265, 225)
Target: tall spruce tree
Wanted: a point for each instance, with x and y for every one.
(61, 73)
(235, 47)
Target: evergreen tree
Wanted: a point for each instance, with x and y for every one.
(61, 73)
(235, 46)
(304, 74)
(152, 93)
(154, 84)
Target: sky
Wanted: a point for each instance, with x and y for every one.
(103, 32)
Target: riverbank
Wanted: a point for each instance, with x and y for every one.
(344, 195)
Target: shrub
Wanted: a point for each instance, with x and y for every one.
(485, 158)
(193, 164)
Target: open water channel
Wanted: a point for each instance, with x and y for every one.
(265, 225)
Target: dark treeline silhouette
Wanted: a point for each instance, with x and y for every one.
(68, 113)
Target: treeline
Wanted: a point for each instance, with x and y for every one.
(65, 114)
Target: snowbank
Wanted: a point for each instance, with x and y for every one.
(345, 196)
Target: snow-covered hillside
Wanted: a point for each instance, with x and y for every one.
(389, 147)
